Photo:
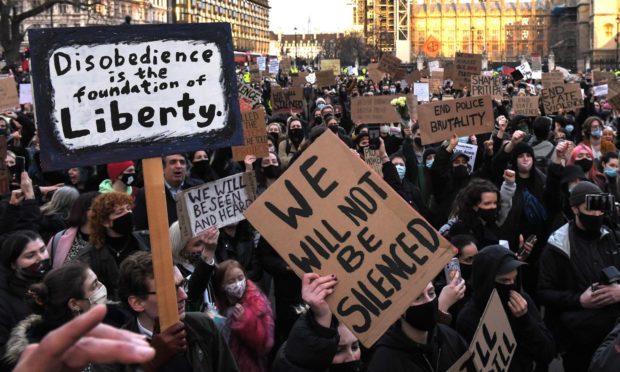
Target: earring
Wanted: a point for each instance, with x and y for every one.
(76, 311)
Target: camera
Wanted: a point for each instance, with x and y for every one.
(600, 202)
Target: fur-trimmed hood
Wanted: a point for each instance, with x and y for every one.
(18, 340)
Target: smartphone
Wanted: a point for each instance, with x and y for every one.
(452, 269)
(373, 136)
(531, 240)
(20, 165)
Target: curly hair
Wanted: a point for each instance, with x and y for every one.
(103, 206)
(470, 196)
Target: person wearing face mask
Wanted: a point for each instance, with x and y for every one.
(121, 178)
(111, 238)
(201, 167)
(294, 137)
(24, 260)
(592, 131)
(610, 164)
(64, 293)
(579, 308)
(249, 320)
(417, 342)
(583, 157)
(495, 267)
(332, 123)
(392, 143)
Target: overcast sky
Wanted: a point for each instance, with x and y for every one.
(325, 15)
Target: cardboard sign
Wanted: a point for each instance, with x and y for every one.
(286, 100)
(248, 96)
(373, 72)
(325, 78)
(566, 96)
(274, 66)
(435, 84)
(421, 90)
(298, 80)
(254, 136)
(600, 90)
(374, 161)
(469, 150)
(486, 86)
(614, 101)
(330, 214)
(25, 93)
(412, 77)
(602, 77)
(464, 116)
(107, 94)
(449, 70)
(285, 64)
(389, 64)
(331, 64)
(218, 203)
(526, 105)
(377, 109)
(9, 99)
(553, 78)
(262, 63)
(466, 65)
(256, 76)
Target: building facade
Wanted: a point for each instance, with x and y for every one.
(374, 20)
(306, 47)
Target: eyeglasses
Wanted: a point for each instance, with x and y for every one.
(182, 284)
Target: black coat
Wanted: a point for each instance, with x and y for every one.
(13, 309)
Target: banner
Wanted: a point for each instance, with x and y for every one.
(463, 117)
(526, 105)
(331, 64)
(486, 86)
(248, 96)
(466, 65)
(330, 214)
(286, 100)
(219, 203)
(377, 109)
(107, 94)
(9, 99)
(254, 136)
(566, 96)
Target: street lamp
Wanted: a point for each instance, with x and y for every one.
(485, 60)
(471, 40)
(295, 48)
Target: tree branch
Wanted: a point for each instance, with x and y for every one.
(47, 5)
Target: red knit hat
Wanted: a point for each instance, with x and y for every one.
(116, 169)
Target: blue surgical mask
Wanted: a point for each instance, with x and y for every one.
(320, 106)
(611, 172)
(429, 163)
(401, 169)
(463, 139)
(569, 128)
(597, 133)
(392, 90)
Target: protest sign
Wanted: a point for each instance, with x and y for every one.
(248, 96)
(331, 64)
(602, 77)
(298, 80)
(536, 67)
(412, 77)
(330, 214)
(552, 78)
(285, 64)
(325, 78)
(421, 90)
(352, 70)
(108, 94)
(486, 86)
(614, 101)
(373, 72)
(466, 64)
(25, 93)
(377, 109)
(389, 64)
(219, 203)
(463, 117)
(469, 150)
(526, 105)
(435, 84)
(274, 66)
(262, 63)
(525, 70)
(566, 96)
(255, 74)
(449, 71)
(285, 100)
(600, 90)
(374, 160)
(433, 65)
(254, 136)
(9, 99)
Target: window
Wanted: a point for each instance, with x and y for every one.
(609, 30)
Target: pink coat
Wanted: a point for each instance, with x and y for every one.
(63, 246)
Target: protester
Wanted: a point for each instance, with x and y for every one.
(122, 176)
(607, 356)
(294, 137)
(55, 213)
(583, 157)
(201, 167)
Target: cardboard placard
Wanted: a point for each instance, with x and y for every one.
(9, 99)
(254, 136)
(25, 93)
(262, 63)
(412, 77)
(299, 80)
(566, 96)
(218, 203)
(256, 77)
(466, 65)
(274, 66)
(390, 64)
(449, 71)
(614, 101)
(553, 78)
(464, 116)
(331, 64)
(486, 86)
(286, 100)
(435, 84)
(374, 161)
(602, 77)
(325, 78)
(600, 90)
(330, 214)
(377, 109)
(285, 64)
(248, 96)
(421, 90)
(469, 150)
(526, 105)
(125, 93)
(373, 72)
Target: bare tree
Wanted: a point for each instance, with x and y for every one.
(14, 12)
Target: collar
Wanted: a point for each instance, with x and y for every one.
(143, 330)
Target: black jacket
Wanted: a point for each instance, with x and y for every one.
(534, 341)
(13, 309)
(445, 185)
(395, 352)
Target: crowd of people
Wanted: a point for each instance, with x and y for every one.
(533, 219)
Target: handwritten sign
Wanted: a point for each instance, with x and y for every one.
(284, 100)
(262, 63)
(254, 136)
(323, 216)
(600, 90)
(435, 84)
(331, 64)
(377, 109)
(466, 65)
(255, 74)
(421, 90)
(218, 203)
(464, 116)
(9, 99)
(553, 78)
(470, 150)
(373, 72)
(566, 96)
(133, 92)
(526, 105)
(298, 80)
(525, 70)
(486, 86)
(325, 78)
(274, 66)
(390, 64)
(374, 160)
(602, 77)
(248, 96)
(412, 77)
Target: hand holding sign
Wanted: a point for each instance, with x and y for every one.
(314, 291)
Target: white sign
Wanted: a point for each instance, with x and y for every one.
(525, 70)
(352, 71)
(421, 90)
(274, 66)
(433, 65)
(262, 63)
(600, 90)
(25, 93)
(469, 150)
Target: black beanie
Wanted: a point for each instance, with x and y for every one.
(579, 192)
(521, 148)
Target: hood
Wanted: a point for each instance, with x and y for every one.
(106, 186)
(486, 264)
(18, 340)
(396, 339)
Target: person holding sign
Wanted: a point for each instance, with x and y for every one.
(495, 267)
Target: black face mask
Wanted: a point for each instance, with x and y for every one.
(271, 172)
(201, 166)
(423, 317)
(35, 272)
(128, 179)
(354, 366)
(503, 290)
(418, 141)
(318, 120)
(488, 215)
(334, 128)
(465, 271)
(123, 225)
(584, 164)
(296, 135)
(592, 224)
(460, 172)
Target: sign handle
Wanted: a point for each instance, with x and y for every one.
(160, 242)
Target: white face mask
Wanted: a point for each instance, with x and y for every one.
(100, 296)
(236, 289)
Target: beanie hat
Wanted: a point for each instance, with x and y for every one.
(521, 148)
(571, 173)
(116, 169)
(579, 192)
